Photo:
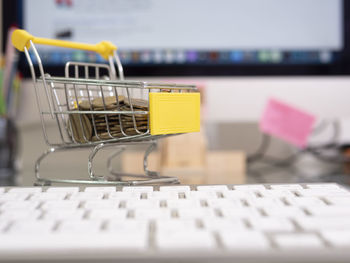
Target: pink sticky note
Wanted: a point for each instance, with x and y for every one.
(287, 122)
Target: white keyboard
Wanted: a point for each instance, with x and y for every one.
(146, 219)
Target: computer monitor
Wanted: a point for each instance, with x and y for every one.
(198, 37)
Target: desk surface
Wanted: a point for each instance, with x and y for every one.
(73, 164)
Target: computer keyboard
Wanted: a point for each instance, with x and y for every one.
(145, 219)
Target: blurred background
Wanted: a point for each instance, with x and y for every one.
(239, 53)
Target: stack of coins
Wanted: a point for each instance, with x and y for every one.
(96, 127)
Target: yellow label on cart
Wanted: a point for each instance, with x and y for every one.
(174, 113)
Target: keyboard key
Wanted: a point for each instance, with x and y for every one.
(64, 214)
(163, 195)
(61, 205)
(337, 238)
(287, 212)
(175, 225)
(286, 186)
(83, 227)
(183, 203)
(177, 188)
(86, 196)
(193, 213)
(107, 214)
(48, 196)
(105, 189)
(266, 224)
(214, 188)
(130, 226)
(298, 241)
(329, 211)
(101, 204)
(68, 190)
(324, 186)
(14, 196)
(28, 190)
(250, 187)
(244, 240)
(323, 223)
(305, 201)
(342, 201)
(185, 240)
(138, 189)
(32, 227)
(18, 205)
(222, 225)
(152, 214)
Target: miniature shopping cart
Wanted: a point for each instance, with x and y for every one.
(94, 107)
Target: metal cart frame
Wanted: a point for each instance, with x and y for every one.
(59, 98)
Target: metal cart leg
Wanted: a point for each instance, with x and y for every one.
(151, 177)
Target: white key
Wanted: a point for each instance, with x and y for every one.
(193, 213)
(60, 205)
(13, 196)
(219, 224)
(32, 227)
(305, 201)
(45, 196)
(176, 188)
(224, 203)
(85, 196)
(129, 226)
(175, 225)
(265, 201)
(266, 224)
(284, 212)
(45, 244)
(342, 201)
(2, 190)
(183, 203)
(107, 214)
(20, 214)
(298, 241)
(163, 195)
(240, 212)
(101, 204)
(244, 240)
(152, 213)
(3, 225)
(62, 214)
(331, 211)
(286, 186)
(324, 223)
(105, 189)
(250, 187)
(124, 195)
(337, 238)
(323, 192)
(239, 194)
(79, 226)
(139, 189)
(325, 186)
(21, 205)
(214, 188)
(189, 240)
(277, 193)
(68, 190)
(202, 195)
(28, 190)
(142, 203)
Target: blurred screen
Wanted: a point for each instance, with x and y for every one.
(203, 32)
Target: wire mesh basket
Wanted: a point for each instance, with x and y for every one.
(93, 106)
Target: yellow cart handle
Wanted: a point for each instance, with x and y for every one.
(21, 39)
